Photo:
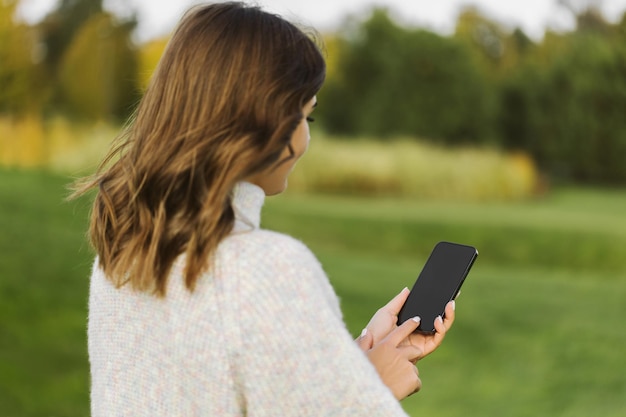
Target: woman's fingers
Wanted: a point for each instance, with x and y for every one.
(418, 383)
(396, 303)
(403, 331)
(365, 340)
(385, 318)
(411, 353)
(443, 325)
(450, 314)
(394, 360)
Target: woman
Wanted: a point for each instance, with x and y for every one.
(194, 310)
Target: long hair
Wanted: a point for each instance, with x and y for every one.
(222, 105)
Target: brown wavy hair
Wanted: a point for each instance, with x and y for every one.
(222, 105)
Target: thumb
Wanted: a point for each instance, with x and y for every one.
(365, 341)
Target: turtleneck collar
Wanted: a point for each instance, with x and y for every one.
(248, 200)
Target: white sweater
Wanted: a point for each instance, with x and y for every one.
(261, 335)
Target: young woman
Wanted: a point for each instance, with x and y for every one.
(194, 310)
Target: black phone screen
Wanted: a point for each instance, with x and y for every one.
(438, 283)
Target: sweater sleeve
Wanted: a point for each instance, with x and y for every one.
(293, 355)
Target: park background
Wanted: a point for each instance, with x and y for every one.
(483, 136)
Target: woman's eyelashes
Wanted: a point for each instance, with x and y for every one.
(310, 119)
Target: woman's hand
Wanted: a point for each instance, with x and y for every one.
(428, 343)
(385, 319)
(394, 360)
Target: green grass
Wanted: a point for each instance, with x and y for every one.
(577, 230)
(540, 324)
(44, 262)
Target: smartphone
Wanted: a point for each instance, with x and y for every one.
(438, 284)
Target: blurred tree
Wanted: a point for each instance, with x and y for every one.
(396, 81)
(522, 43)
(332, 50)
(98, 72)
(580, 7)
(149, 56)
(621, 27)
(59, 31)
(59, 27)
(591, 20)
(21, 89)
(483, 37)
(569, 110)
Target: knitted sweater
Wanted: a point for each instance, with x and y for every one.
(261, 335)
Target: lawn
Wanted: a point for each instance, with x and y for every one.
(540, 328)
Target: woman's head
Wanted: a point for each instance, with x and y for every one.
(232, 87)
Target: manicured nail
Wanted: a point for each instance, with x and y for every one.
(440, 319)
(416, 319)
(364, 332)
(453, 305)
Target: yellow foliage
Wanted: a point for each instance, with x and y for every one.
(56, 144)
(332, 51)
(413, 169)
(22, 142)
(20, 89)
(78, 148)
(149, 56)
(97, 71)
(400, 168)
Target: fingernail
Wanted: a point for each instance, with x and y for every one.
(364, 332)
(440, 319)
(453, 305)
(416, 319)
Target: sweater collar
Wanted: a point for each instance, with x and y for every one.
(247, 200)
